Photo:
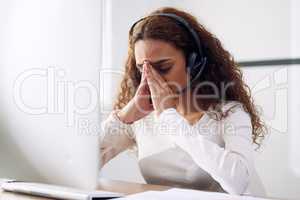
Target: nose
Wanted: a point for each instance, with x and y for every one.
(145, 62)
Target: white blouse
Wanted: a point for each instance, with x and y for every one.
(213, 155)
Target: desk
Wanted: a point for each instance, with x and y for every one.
(104, 184)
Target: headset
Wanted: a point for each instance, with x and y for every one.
(196, 60)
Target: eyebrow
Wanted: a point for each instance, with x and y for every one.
(156, 63)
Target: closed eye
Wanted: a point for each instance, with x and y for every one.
(159, 68)
(164, 70)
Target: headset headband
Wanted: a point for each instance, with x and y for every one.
(183, 23)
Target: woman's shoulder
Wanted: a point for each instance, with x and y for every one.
(234, 110)
(228, 109)
(231, 106)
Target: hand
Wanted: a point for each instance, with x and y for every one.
(161, 94)
(139, 106)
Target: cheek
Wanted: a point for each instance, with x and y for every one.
(177, 78)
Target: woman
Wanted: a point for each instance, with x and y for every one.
(198, 130)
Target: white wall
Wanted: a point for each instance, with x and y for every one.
(294, 95)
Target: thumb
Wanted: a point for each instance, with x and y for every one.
(143, 79)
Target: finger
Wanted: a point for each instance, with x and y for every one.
(153, 84)
(143, 82)
(143, 75)
(157, 76)
(150, 78)
(154, 91)
(161, 82)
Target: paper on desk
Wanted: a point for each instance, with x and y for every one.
(186, 194)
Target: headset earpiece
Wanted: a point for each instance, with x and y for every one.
(191, 60)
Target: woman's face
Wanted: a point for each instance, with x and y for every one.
(167, 60)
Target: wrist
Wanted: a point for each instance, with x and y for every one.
(170, 107)
(126, 115)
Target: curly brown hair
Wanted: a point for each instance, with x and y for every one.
(220, 66)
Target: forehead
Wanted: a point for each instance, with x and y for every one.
(153, 50)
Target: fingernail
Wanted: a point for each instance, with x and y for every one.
(146, 68)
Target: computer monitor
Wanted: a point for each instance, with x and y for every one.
(49, 117)
(50, 127)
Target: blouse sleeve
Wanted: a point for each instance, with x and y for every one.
(230, 165)
(115, 137)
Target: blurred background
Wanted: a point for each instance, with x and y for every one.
(87, 40)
